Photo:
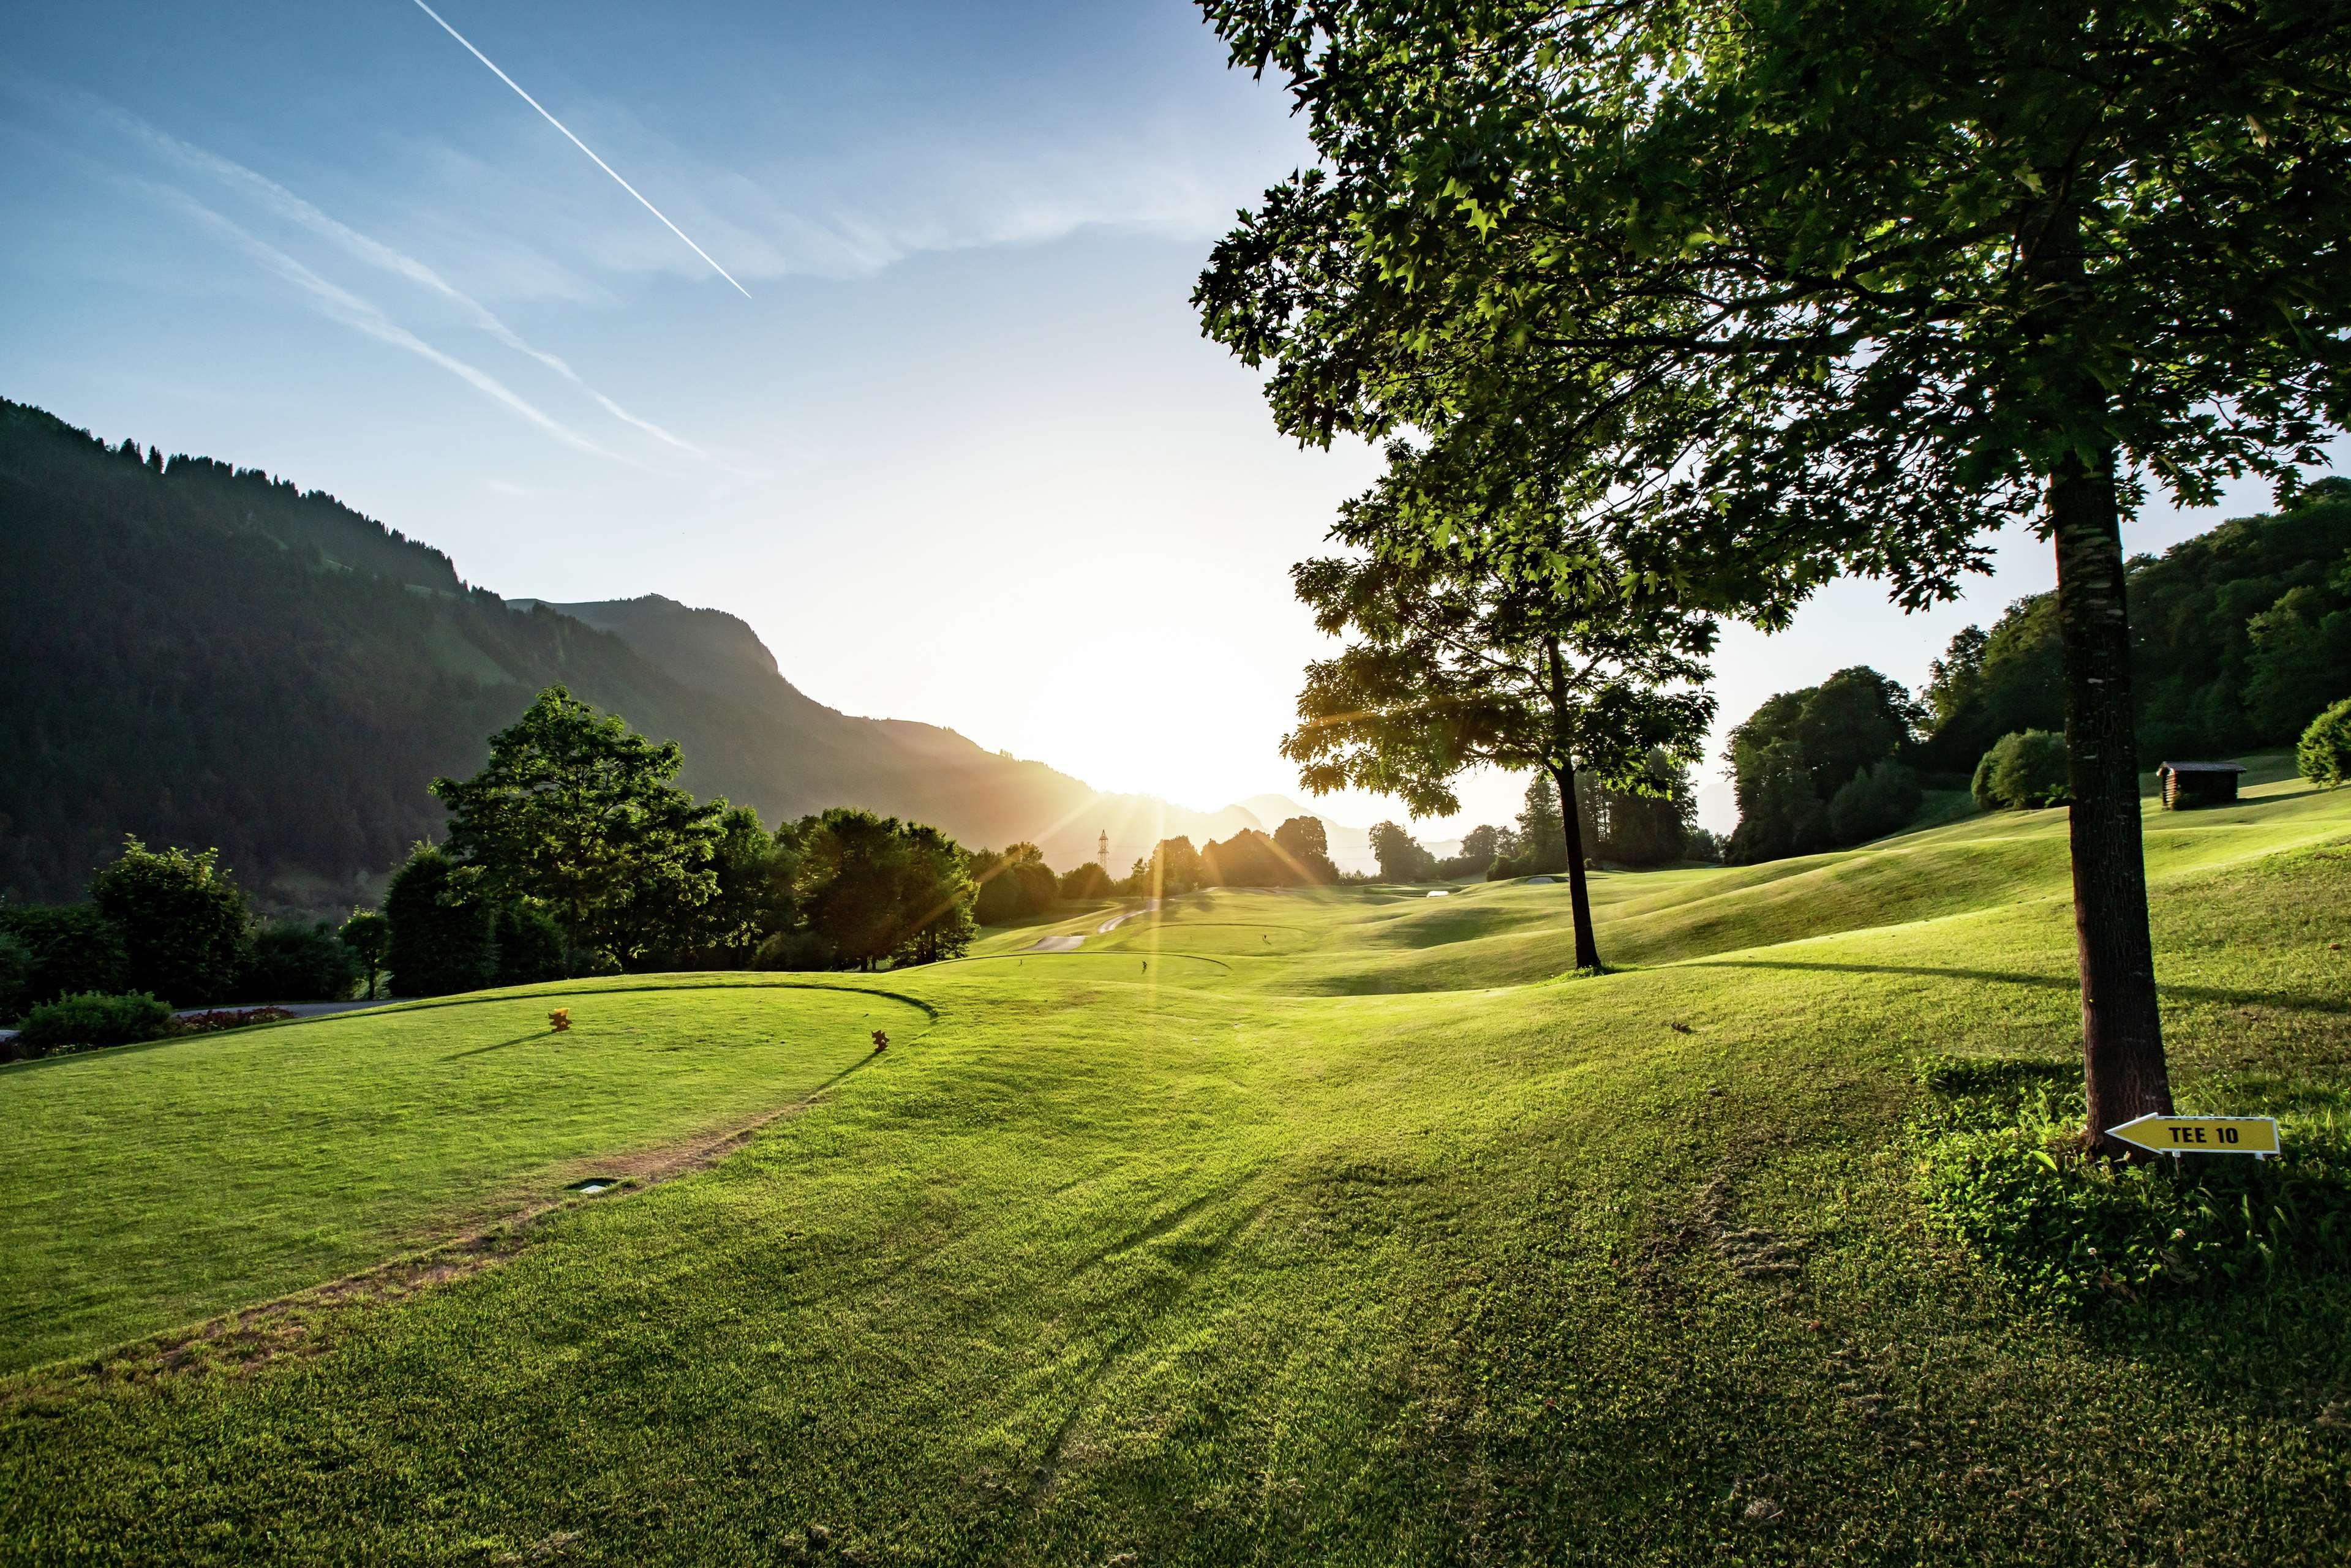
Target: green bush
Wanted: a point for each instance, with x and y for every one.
(2024, 772)
(73, 949)
(2324, 754)
(89, 1020)
(15, 976)
(796, 951)
(185, 924)
(2002, 1172)
(442, 940)
(529, 946)
(368, 935)
(295, 962)
(1875, 801)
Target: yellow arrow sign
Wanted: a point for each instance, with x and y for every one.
(2202, 1135)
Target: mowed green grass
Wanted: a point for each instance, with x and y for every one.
(146, 1187)
(1388, 1246)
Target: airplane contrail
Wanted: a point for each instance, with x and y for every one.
(286, 205)
(583, 146)
(341, 305)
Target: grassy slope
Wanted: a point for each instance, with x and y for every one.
(144, 1188)
(1233, 1259)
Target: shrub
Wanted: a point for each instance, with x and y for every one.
(73, 949)
(1013, 884)
(795, 950)
(90, 1018)
(2023, 771)
(300, 964)
(1875, 801)
(442, 940)
(2324, 754)
(185, 924)
(218, 1019)
(2002, 1172)
(529, 946)
(15, 976)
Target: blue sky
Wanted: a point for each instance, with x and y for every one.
(961, 455)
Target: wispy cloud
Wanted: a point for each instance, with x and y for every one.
(293, 209)
(339, 304)
(583, 146)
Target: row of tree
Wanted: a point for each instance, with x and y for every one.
(1295, 855)
(174, 925)
(574, 850)
(1653, 825)
(2243, 634)
(2240, 635)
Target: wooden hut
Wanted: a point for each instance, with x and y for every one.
(2190, 784)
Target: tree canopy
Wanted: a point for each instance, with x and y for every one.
(1792, 756)
(577, 813)
(1401, 856)
(873, 888)
(1460, 656)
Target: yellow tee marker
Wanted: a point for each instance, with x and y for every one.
(2255, 1135)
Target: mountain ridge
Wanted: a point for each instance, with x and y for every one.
(233, 661)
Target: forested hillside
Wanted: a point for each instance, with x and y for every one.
(227, 660)
(2240, 636)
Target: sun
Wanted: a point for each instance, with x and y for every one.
(1167, 710)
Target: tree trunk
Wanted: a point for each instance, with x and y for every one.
(2122, 1029)
(1579, 897)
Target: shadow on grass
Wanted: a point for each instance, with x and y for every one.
(500, 1045)
(2297, 1001)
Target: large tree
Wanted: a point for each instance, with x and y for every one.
(1402, 857)
(873, 888)
(1460, 657)
(1307, 847)
(1810, 286)
(576, 813)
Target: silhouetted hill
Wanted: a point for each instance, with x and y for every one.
(205, 655)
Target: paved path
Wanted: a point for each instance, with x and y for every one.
(1071, 944)
(1150, 906)
(299, 1009)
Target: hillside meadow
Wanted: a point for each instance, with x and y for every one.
(1308, 1225)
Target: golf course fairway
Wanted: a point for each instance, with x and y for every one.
(1305, 1226)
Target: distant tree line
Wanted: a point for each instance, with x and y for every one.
(2241, 637)
(1295, 855)
(574, 851)
(1654, 826)
(173, 927)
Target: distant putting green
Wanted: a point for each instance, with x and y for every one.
(1299, 1227)
(148, 1186)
